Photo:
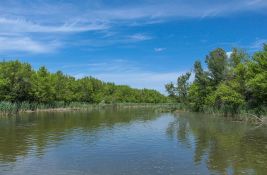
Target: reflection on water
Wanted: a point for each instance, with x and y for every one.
(129, 142)
(225, 147)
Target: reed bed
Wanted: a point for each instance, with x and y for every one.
(9, 108)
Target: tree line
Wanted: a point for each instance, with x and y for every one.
(227, 83)
(19, 82)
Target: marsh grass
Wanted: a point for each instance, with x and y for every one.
(9, 108)
(256, 116)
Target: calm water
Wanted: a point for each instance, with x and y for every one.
(130, 142)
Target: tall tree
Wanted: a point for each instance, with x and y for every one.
(199, 89)
(43, 88)
(15, 81)
(257, 81)
(217, 65)
(171, 89)
(238, 70)
(183, 86)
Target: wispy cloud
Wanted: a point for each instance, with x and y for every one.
(122, 40)
(159, 9)
(24, 26)
(160, 49)
(140, 79)
(252, 46)
(257, 45)
(51, 16)
(26, 44)
(123, 72)
(139, 37)
(256, 2)
(38, 19)
(108, 66)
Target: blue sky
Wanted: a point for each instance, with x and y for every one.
(142, 43)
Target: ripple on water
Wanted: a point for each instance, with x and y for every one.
(130, 142)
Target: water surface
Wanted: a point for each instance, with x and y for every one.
(130, 142)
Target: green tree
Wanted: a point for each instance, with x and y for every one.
(43, 89)
(63, 85)
(85, 90)
(183, 87)
(199, 90)
(238, 70)
(257, 81)
(217, 65)
(15, 81)
(171, 90)
(226, 99)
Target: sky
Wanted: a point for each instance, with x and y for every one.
(141, 43)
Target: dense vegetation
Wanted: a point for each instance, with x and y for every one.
(20, 85)
(229, 84)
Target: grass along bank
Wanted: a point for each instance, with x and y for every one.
(258, 116)
(9, 108)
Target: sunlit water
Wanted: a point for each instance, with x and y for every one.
(130, 142)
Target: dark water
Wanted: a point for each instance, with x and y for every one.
(130, 142)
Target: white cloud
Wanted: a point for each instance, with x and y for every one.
(255, 2)
(26, 44)
(39, 19)
(47, 16)
(26, 36)
(139, 37)
(160, 49)
(140, 79)
(125, 73)
(178, 8)
(24, 26)
(257, 45)
(229, 54)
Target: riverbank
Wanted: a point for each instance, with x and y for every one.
(239, 117)
(8, 108)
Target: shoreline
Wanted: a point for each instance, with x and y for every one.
(52, 110)
(85, 107)
(42, 110)
(243, 117)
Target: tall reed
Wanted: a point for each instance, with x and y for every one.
(9, 108)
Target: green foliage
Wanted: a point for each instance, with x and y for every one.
(15, 81)
(199, 90)
(179, 92)
(183, 86)
(229, 84)
(217, 63)
(20, 85)
(43, 89)
(257, 80)
(226, 99)
(170, 88)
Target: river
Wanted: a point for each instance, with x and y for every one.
(129, 142)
